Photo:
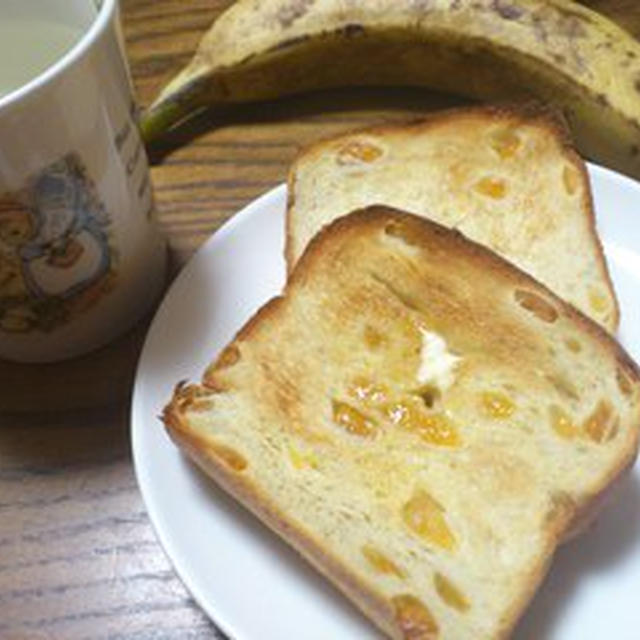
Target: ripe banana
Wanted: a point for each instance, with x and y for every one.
(555, 50)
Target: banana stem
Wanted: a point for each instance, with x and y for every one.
(159, 118)
(175, 105)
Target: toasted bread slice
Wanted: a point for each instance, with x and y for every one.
(418, 418)
(506, 178)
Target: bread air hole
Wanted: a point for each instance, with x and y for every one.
(430, 395)
(536, 305)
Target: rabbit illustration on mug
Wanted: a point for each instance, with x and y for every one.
(55, 255)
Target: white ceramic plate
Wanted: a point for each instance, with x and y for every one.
(249, 582)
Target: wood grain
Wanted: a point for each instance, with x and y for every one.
(78, 557)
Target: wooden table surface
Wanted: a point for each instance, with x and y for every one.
(78, 556)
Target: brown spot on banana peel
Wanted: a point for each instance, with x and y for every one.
(293, 11)
(539, 29)
(572, 27)
(561, 23)
(507, 10)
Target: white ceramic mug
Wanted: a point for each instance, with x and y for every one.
(81, 259)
